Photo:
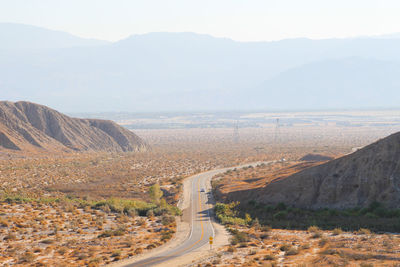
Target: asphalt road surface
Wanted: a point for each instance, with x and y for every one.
(201, 226)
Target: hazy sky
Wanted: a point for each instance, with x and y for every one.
(245, 20)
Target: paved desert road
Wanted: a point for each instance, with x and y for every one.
(200, 212)
(201, 226)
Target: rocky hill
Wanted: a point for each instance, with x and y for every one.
(26, 126)
(356, 180)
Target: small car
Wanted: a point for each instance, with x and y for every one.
(202, 190)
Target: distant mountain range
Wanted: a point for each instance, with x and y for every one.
(30, 127)
(20, 36)
(187, 71)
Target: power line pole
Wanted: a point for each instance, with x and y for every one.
(236, 132)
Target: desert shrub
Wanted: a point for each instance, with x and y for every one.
(252, 252)
(166, 235)
(10, 236)
(337, 231)
(117, 232)
(216, 261)
(106, 233)
(238, 237)
(264, 236)
(47, 241)
(123, 205)
(363, 231)
(226, 209)
(247, 219)
(313, 229)
(329, 251)
(316, 235)
(269, 257)
(374, 217)
(151, 246)
(3, 223)
(116, 253)
(243, 245)
(62, 251)
(150, 214)
(17, 199)
(141, 222)
(160, 211)
(27, 257)
(285, 247)
(280, 215)
(315, 232)
(292, 251)
(155, 193)
(228, 214)
(322, 242)
(231, 249)
(305, 246)
(94, 262)
(387, 244)
(167, 220)
(82, 256)
(231, 220)
(120, 231)
(173, 210)
(131, 212)
(265, 228)
(138, 250)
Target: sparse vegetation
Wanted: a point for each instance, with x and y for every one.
(284, 217)
(74, 198)
(75, 219)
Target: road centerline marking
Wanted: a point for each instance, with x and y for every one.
(184, 249)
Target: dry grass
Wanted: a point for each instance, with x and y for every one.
(55, 234)
(295, 248)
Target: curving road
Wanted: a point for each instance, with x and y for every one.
(199, 216)
(201, 226)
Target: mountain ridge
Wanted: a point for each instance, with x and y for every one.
(188, 71)
(371, 174)
(24, 36)
(25, 126)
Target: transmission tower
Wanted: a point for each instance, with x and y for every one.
(277, 131)
(236, 132)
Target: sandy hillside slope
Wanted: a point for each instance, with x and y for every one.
(356, 180)
(30, 127)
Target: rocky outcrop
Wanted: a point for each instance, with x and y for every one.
(27, 126)
(356, 180)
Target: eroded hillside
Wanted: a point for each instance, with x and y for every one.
(30, 127)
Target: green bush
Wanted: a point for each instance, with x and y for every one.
(167, 220)
(108, 233)
(228, 215)
(280, 215)
(167, 235)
